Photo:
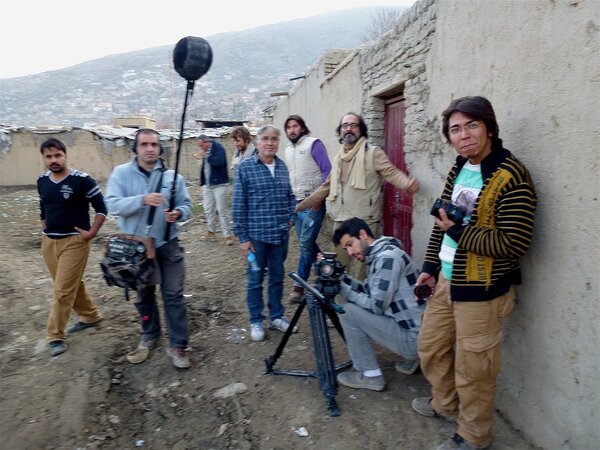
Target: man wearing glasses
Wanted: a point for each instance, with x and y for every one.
(353, 189)
(472, 267)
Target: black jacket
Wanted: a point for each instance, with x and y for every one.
(217, 158)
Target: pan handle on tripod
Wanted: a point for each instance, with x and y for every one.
(294, 276)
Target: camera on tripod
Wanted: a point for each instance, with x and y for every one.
(329, 270)
(319, 300)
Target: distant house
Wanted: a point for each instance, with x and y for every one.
(218, 123)
(135, 122)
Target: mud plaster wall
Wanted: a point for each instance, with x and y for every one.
(543, 83)
(22, 163)
(537, 62)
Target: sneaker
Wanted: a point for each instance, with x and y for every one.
(422, 405)
(180, 358)
(281, 324)
(257, 332)
(229, 240)
(140, 354)
(297, 294)
(356, 379)
(458, 442)
(79, 326)
(57, 347)
(408, 366)
(208, 235)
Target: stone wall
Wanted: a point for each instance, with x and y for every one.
(537, 62)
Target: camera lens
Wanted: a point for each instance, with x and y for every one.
(326, 269)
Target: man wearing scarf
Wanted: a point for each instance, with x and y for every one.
(353, 189)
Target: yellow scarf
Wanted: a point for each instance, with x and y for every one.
(479, 268)
(357, 177)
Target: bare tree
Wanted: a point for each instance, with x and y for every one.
(381, 22)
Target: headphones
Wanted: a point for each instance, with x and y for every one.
(146, 130)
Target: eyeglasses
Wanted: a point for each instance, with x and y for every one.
(269, 139)
(345, 126)
(471, 126)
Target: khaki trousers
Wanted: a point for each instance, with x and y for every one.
(459, 347)
(66, 259)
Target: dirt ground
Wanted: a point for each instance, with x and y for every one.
(91, 397)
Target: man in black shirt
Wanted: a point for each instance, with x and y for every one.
(65, 197)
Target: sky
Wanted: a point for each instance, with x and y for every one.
(37, 36)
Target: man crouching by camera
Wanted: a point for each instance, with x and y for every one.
(383, 308)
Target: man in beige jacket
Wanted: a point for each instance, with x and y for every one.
(353, 189)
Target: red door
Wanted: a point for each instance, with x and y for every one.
(397, 205)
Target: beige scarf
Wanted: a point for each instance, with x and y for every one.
(357, 177)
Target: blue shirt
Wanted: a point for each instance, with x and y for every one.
(125, 191)
(263, 205)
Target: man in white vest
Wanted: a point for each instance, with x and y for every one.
(353, 189)
(309, 166)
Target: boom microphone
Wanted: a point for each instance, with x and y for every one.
(192, 57)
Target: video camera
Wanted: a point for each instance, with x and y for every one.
(329, 271)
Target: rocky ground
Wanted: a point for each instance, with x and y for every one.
(91, 397)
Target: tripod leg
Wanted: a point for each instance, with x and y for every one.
(323, 355)
(271, 360)
(330, 311)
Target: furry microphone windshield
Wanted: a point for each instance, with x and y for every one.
(192, 57)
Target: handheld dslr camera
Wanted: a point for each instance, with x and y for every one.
(455, 213)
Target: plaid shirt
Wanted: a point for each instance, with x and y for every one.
(388, 290)
(263, 205)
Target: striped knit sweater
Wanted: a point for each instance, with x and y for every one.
(499, 232)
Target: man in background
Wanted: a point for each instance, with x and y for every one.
(214, 179)
(242, 139)
(308, 163)
(65, 198)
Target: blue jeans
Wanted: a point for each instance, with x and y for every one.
(308, 225)
(172, 271)
(271, 256)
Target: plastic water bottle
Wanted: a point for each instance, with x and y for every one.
(254, 267)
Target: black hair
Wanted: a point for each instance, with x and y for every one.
(351, 227)
(145, 131)
(361, 123)
(53, 143)
(477, 108)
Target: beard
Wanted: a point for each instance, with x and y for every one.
(349, 138)
(295, 139)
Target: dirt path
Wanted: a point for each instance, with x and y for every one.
(91, 397)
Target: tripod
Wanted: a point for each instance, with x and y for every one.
(318, 306)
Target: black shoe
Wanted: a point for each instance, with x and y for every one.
(82, 326)
(57, 347)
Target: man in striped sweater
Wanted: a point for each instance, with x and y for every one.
(472, 268)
